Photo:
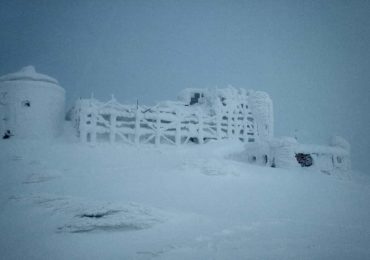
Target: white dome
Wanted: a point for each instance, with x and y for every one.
(28, 73)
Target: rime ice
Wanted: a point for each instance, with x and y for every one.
(31, 105)
(178, 180)
(198, 116)
(201, 115)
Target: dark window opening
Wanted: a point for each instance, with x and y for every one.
(7, 134)
(195, 98)
(26, 103)
(305, 160)
(339, 159)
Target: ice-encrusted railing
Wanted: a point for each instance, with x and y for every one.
(171, 123)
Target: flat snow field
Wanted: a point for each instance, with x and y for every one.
(66, 200)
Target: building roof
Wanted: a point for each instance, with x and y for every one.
(28, 73)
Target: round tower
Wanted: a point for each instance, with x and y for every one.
(31, 105)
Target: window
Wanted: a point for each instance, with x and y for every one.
(194, 99)
(26, 103)
(7, 134)
(305, 160)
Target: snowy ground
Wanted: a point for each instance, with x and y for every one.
(65, 200)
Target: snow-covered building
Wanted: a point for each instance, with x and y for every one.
(200, 115)
(31, 105)
(288, 153)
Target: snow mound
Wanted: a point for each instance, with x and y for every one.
(80, 216)
(112, 218)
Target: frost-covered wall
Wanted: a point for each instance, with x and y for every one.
(197, 116)
(31, 105)
(263, 112)
(239, 103)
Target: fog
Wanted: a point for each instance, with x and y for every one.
(312, 57)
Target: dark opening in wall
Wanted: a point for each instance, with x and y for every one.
(26, 103)
(273, 164)
(304, 159)
(265, 159)
(7, 134)
(195, 98)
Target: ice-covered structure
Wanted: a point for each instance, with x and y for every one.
(288, 153)
(238, 105)
(198, 115)
(31, 105)
(204, 114)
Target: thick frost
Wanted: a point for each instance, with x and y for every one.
(31, 105)
(263, 112)
(28, 73)
(198, 116)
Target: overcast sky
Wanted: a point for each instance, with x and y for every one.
(312, 57)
